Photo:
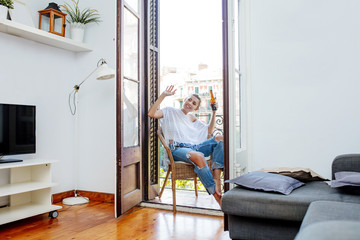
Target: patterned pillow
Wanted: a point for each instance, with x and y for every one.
(301, 174)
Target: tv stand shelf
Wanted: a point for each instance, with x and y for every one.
(29, 190)
(16, 188)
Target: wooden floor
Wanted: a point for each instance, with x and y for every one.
(95, 220)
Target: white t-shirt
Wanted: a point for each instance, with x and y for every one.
(178, 127)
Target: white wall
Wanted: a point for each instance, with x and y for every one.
(97, 105)
(305, 82)
(34, 73)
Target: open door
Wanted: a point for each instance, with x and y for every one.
(130, 105)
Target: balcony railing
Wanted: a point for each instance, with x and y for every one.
(219, 122)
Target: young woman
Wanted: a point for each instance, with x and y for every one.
(187, 138)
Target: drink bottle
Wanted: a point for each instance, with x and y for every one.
(212, 101)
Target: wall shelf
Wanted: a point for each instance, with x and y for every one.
(37, 35)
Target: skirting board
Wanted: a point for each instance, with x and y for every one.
(93, 196)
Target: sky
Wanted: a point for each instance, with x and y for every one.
(190, 33)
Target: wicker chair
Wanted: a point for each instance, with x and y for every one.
(178, 170)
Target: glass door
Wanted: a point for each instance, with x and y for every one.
(129, 148)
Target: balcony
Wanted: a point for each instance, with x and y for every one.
(185, 188)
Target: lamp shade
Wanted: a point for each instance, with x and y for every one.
(104, 72)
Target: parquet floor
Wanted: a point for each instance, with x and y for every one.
(95, 220)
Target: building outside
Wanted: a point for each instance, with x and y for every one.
(200, 81)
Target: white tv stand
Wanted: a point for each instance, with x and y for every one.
(29, 190)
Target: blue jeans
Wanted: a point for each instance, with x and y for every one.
(180, 152)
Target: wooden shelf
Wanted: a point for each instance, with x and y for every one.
(9, 214)
(37, 35)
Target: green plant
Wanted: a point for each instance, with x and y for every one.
(76, 15)
(7, 3)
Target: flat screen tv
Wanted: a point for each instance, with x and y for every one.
(17, 130)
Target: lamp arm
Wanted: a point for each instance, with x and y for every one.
(72, 95)
(77, 87)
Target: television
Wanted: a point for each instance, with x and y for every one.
(17, 130)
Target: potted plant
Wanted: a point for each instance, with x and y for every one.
(79, 18)
(4, 8)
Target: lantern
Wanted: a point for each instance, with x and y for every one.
(51, 19)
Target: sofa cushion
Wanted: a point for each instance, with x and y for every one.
(330, 230)
(268, 182)
(330, 220)
(328, 210)
(347, 181)
(248, 203)
(262, 229)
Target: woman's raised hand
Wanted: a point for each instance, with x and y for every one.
(154, 112)
(169, 91)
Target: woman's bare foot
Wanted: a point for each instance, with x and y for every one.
(216, 176)
(218, 186)
(217, 198)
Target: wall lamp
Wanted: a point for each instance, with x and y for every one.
(104, 72)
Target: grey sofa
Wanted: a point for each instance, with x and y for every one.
(263, 215)
(329, 220)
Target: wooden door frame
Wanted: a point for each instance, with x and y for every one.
(225, 49)
(151, 164)
(119, 62)
(225, 44)
(144, 92)
(146, 96)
